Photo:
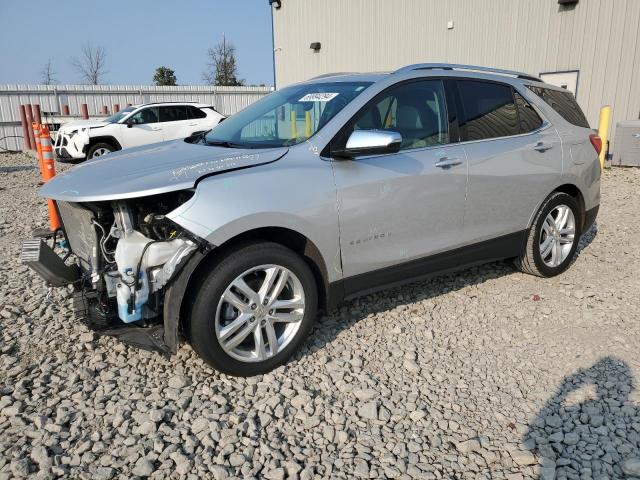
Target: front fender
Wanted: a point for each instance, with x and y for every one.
(301, 199)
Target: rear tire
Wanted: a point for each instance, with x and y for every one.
(253, 309)
(98, 150)
(553, 237)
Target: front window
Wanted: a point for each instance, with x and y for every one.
(116, 117)
(286, 117)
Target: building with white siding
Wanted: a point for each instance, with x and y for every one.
(590, 46)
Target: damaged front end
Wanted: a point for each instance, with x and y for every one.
(126, 254)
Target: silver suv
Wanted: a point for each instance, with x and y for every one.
(320, 192)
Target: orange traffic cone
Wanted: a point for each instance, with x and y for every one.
(48, 172)
(36, 136)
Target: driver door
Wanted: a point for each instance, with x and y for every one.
(142, 128)
(397, 210)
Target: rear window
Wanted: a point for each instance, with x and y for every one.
(196, 112)
(564, 103)
(489, 110)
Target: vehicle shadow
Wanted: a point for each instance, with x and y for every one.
(17, 168)
(351, 312)
(587, 237)
(589, 428)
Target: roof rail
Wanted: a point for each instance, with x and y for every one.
(334, 74)
(475, 68)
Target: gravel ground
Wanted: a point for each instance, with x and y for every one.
(487, 374)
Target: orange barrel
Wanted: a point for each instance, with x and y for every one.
(49, 173)
(37, 131)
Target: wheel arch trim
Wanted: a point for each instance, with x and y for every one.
(179, 293)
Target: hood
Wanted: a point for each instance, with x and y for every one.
(150, 170)
(76, 124)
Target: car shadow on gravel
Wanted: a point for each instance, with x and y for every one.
(17, 168)
(589, 428)
(351, 312)
(586, 239)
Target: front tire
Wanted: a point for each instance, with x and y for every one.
(253, 310)
(98, 150)
(553, 237)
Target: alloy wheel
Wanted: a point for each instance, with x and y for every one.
(100, 151)
(557, 235)
(259, 313)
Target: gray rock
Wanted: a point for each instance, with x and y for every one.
(631, 466)
(20, 468)
(275, 474)
(571, 438)
(143, 467)
(523, 457)
(368, 410)
(179, 381)
(471, 445)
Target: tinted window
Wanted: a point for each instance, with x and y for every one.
(148, 115)
(489, 110)
(173, 113)
(529, 118)
(564, 103)
(195, 112)
(416, 110)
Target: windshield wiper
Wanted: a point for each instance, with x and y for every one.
(223, 143)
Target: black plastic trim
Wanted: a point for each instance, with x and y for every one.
(173, 301)
(500, 248)
(590, 217)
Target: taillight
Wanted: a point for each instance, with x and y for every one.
(596, 141)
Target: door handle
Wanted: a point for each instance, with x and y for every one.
(193, 124)
(542, 147)
(636, 135)
(155, 129)
(448, 162)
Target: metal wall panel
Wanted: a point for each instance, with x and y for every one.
(52, 98)
(600, 38)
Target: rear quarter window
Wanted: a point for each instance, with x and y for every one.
(564, 103)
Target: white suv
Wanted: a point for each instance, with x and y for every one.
(134, 126)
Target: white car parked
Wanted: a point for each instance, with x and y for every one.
(133, 126)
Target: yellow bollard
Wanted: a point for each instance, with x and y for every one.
(307, 124)
(603, 131)
(294, 124)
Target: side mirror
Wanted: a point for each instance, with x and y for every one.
(129, 123)
(370, 142)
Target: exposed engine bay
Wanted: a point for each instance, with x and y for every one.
(126, 252)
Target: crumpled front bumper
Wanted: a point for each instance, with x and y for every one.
(70, 146)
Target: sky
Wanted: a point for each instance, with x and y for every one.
(138, 36)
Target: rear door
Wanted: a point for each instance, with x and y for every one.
(397, 209)
(514, 157)
(142, 128)
(176, 121)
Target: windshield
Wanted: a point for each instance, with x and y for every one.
(116, 117)
(286, 117)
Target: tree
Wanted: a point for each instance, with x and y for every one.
(222, 65)
(164, 76)
(91, 65)
(48, 74)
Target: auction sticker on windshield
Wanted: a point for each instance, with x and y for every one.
(318, 97)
